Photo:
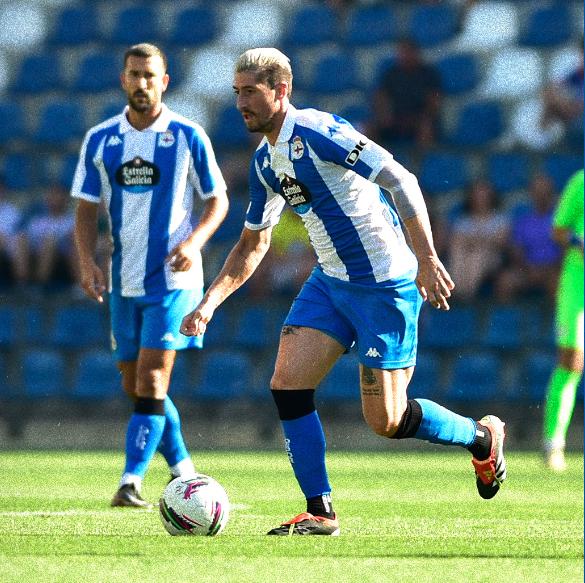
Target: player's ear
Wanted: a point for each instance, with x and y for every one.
(281, 90)
(165, 81)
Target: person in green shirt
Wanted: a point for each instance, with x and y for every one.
(562, 388)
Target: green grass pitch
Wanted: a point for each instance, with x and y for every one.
(405, 517)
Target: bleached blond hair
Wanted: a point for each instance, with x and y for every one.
(269, 64)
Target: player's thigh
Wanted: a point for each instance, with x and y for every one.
(383, 394)
(153, 372)
(305, 356)
(128, 370)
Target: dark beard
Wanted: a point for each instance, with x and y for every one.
(141, 107)
(264, 128)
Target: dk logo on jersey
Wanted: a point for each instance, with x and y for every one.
(296, 194)
(138, 175)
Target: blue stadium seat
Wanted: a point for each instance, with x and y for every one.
(34, 326)
(98, 72)
(226, 374)
(97, 377)
(76, 25)
(443, 172)
(43, 373)
(311, 26)
(220, 332)
(182, 384)
(229, 130)
(333, 74)
(456, 328)
(67, 170)
(370, 26)
(475, 378)
(560, 168)
(535, 372)
(503, 328)
(357, 114)
(12, 122)
(230, 229)
(547, 26)
(508, 171)
(112, 109)
(459, 73)
(8, 327)
(258, 327)
(426, 380)
(6, 389)
(79, 327)
(60, 122)
(194, 27)
(478, 124)
(135, 24)
(432, 25)
(538, 329)
(38, 73)
(343, 381)
(19, 172)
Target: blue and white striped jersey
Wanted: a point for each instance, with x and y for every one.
(324, 169)
(146, 180)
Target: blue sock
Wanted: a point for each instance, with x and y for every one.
(172, 445)
(142, 439)
(439, 425)
(305, 445)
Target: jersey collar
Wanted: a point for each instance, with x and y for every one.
(161, 123)
(288, 125)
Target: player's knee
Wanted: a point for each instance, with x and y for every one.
(280, 380)
(152, 383)
(383, 424)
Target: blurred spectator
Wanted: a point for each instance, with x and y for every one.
(534, 257)
(406, 103)
(45, 253)
(10, 221)
(478, 239)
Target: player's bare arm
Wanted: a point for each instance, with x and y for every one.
(566, 238)
(239, 266)
(92, 279)
(181, 256)
(433, 280)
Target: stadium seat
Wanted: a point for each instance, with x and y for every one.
(258, 327)
(503, 328)
(343, 381)
(456, 328)
(181, 382)
(242, 28)
(488, 25)
(426, 380)
(311, 26)
(508, 171)
(38, 73)
(8, 327)
(443, 172)
(560, 167)
(229, 130)
(34, 328)
(563, 62)
(230, 229)
(334, 73)
(370, 26)
(98, 72)
(194, 27)
(97, 377)
(67, 170)
(547, 26)
(459, 73)
(478, 124)
(79, 327)
(432, 25)
(111, 109)
(219, 332)
(19, 172)
(502, 80)
(135, 24)
(210, 74)
(357, 114)
(6, 388)
(60, 122)
(74, 26)
(535, 372)
(537, 329)
(226, 374)
(475, 378)
(12, 122)
(43, 373)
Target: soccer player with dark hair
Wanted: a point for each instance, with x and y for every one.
(144, 166)
(562, 388)
(368, 286)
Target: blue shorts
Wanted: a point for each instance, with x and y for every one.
(381, 320)
(151, 322)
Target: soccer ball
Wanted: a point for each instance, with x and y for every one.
(197, 505)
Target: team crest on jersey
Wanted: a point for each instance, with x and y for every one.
(138, 175)
(297, 148)
(296, 194)
(166, 139)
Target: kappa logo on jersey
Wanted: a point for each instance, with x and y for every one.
(373, 352)
(266, 162)
(296, 194)
(297, 148)
(138, 175)
(166, 139)
(113, 141)
(355, 154)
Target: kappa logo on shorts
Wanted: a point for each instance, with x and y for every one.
(168, 337)
(373, 352)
